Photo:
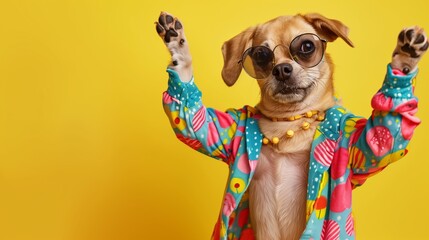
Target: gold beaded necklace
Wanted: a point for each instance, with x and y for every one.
(316, 115)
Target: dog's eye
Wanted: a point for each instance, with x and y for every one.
(307, 47)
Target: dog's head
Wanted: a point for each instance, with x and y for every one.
(286, 56)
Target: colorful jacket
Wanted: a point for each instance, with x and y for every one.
(346, 150)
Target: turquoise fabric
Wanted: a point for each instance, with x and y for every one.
(346, 150)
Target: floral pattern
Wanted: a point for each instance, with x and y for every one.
(346, 150)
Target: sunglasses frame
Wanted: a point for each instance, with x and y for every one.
(294, 58)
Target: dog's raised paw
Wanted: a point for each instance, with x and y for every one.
(169, 27)
(171, 31)
(413, 41)
(412, 44)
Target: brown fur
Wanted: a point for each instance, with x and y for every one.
(278, 190)
(277, 193)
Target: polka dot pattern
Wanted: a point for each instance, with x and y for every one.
(346, 150)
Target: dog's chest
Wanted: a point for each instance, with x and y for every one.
(282, 168)
(282, 177)
(278, 189)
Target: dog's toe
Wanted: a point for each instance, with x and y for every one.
(165, 19)
(178, 25)
(159, 29)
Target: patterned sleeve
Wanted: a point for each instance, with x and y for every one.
(204, 129)
(382, 139)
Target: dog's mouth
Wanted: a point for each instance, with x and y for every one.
(286, 90)
(291, 90)
(292, 93)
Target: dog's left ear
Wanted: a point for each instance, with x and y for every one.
(232, 51)
(330, 29)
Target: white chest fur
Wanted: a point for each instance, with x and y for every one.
(278, 189)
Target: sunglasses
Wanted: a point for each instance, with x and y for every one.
(306, 49)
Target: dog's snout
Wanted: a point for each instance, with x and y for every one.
(282, 72)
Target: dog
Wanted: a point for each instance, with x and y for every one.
(295, 157)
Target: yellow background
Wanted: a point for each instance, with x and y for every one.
(87, 153)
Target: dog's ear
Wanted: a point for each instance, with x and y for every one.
(232, 51)
(330, 29)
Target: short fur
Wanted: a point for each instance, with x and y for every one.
(278, 190)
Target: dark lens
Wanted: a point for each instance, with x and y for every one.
(258, 61)
(261, 55)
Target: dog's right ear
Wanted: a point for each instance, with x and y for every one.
(232, 51)
(330, 29)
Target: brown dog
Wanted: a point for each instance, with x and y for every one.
(287, 57)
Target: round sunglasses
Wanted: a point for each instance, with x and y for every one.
(306, 49)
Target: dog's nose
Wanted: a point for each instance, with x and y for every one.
(283, 71)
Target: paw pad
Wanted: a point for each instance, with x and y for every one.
(169, 27)
(412, 41)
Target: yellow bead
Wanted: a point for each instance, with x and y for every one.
(265, 141)
(321, 117)
(305, 125)
(290, 133)
(276, 140)
(298, 117)
(309, 114)
(291, 118)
